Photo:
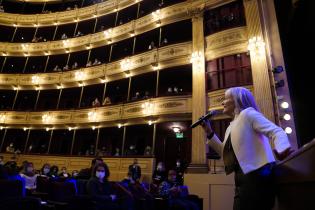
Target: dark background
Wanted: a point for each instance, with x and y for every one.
(296, 24)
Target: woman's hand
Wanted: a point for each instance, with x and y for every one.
(206, 126)
(282, 155)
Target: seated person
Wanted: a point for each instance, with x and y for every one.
(136, 97)
(96, 62)
(86, 173)
(159, 176)
(75, 174)
(96, 102)
(117, 152)
(147, 150)
(10, 148)
(88, 64)
(107, 101)
(44, 172)
(66, 67)
(64, 36)
(99, 188)
(74, 65)
(90, 151)
(132, 150)
(1, 160)
(64, 174)
(54, 172)
(57, 68)
(176, 195)
(28, 174)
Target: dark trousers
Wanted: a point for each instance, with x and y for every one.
(255, 190)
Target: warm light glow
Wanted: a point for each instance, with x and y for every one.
(284, 105)
(35, 79)
(59, 86)
(35, 25)
(288, 130)
(4, 54)
(25, 128)
(127, 73)
(88, 46)
(79, 75)
(176, 129)
(93, 128)
(92, 116)
(148, 108)
(14, 25)
(155, 66)
(47, 118)
(103, 80)
(37, 87)
(47, 129)
(25, 46)
(256, 46)
(2, 118)
(108, 33)
(76, 20)
(119, 125)
(287, 117)
(67, 50)
(156, 14)
(196, 57)
(15, 87)
(46, 53)
(126, 64)
(150, 122)
(1, 127)
(70, 128)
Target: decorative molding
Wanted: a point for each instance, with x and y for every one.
(85, 13)
(112, 71)
(227, 42)
(106, 115)
(169, 15)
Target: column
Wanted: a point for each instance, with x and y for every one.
(261, 79)
(199, 103)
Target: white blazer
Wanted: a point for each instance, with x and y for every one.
(250, 133)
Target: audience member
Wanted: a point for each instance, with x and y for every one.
(1, 160)
(88, 64)
(74, 65)
(96, 62)
(147, 150)
(66, 67)
(96, 103)
(176, 195)
(64, 173)
(54, 172)
(132, 150)
(64, 36)
(45, 170)
(107, 101)
(86, 173)
(135, 170)
(57, 68)
(100, 190)
(117, 152)
(28, 174)
(10, 148)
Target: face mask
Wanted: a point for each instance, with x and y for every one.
(46, 170)
(75, 174)
(29, 169)
(100, 174)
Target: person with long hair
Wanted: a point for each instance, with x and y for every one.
(246, 150)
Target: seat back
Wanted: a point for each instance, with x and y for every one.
(62, 191)
(11, 188)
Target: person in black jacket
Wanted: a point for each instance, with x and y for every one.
(100, 190)
(135, 170)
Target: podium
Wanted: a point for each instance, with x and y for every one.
(295, 180)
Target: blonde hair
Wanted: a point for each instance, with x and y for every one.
(243, 98)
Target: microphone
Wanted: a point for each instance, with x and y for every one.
(204, 117)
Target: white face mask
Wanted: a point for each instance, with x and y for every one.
(46, 170)
(100, 174)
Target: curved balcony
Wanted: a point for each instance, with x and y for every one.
(164, 109)
(102, 116)
(167, 15)
(65, 17)
(159, 58)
